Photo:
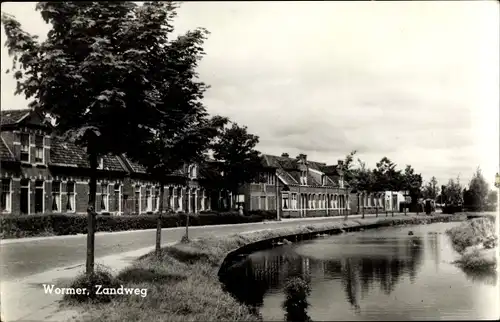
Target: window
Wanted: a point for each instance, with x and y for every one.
(271, 178)
(263, 203)
(137, 200)
(179, 198)
(323, 180)
(192, 171)
(284, 201)
(104, 197)
(70, 191)
(38, 196)
(303, 177)
(6, 201)
(156, 200)
(203, 200)
(117, 197)
(25, 147)
(56, 196)
(341, 182)
(100, 163)
(39, 155)
(294, 201)
(149, 199)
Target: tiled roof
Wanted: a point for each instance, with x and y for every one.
(288, 170)
(10, 117)
(287, 177)
(69, 154)
(5, 153)
(329, 169)
(138, 168)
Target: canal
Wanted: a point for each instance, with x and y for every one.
(379, 274)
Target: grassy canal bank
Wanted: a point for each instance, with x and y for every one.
(183, 285)
(477, 243)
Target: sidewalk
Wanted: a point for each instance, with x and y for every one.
(25, 299)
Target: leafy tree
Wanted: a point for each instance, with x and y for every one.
(492, 198)
(387, 177)
(430, 190)
(348, 170)
(453, 191)
(100, 74)
(412, 182)
(362, 181)
(237, 160)
(168, 152)
(478, 188)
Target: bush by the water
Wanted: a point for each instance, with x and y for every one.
(478, 231)
(475, 240)
(70, 224)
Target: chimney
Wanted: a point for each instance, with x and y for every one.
(340, 163)
(302, 157)
(285, 155)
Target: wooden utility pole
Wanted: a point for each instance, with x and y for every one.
(278, 198)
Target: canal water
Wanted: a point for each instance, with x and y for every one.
(380, 274)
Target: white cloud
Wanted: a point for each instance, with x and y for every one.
(415, 81)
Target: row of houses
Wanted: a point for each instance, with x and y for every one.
(41, 173)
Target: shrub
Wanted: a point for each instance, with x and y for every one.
(472, 233)
(99, 277)
(70, 224)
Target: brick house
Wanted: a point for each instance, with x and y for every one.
(298, 187)
(41, 173)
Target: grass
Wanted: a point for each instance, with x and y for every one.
(475, 240)
(183, 284)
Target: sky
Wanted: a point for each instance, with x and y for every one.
(417, 82)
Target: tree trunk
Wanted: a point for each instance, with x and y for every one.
(376, 205)
(187, 226)
(392, 196)
(344, 208)
(91, 212)
(158, 223)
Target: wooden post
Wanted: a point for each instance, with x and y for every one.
(278, 199)
(158, 222)
(187, 226)
(91, 213)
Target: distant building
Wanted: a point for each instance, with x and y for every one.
(41, 173)
(298, 187)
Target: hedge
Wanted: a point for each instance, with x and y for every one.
(71, 224)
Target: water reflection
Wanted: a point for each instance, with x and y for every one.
(487, 275)
(359, 272)
(296, 304)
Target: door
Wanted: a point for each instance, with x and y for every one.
(25, 200)
(38, 196)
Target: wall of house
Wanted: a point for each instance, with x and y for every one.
(81, 196)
